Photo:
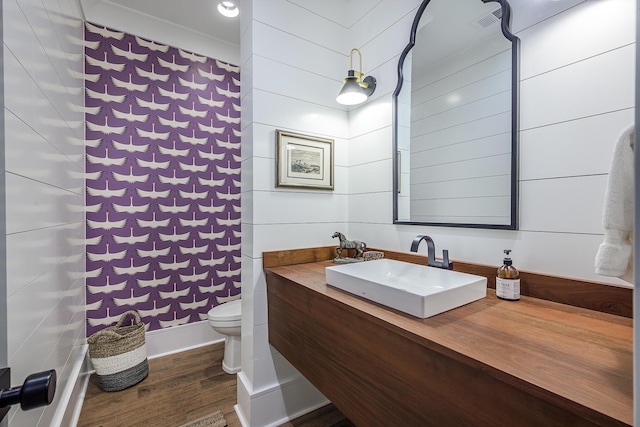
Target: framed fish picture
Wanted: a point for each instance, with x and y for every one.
(303, 161)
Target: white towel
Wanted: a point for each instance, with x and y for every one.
(614, 257)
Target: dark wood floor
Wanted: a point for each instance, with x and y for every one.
(180, 388)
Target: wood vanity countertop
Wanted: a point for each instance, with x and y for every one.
(573, 358)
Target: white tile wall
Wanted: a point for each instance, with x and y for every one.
(44, 175)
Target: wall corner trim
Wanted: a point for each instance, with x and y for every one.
(72, 397)
(282, 402)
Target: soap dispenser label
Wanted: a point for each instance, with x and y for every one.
(508, 288)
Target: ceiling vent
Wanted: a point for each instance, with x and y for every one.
(487, 20)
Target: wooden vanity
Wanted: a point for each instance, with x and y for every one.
(489, 363)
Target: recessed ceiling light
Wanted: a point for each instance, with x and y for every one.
(228, 9)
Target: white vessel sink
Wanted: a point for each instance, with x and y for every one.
(414, 289)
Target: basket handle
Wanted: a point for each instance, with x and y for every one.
(126, 314)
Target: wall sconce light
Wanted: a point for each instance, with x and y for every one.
(356, 91)
(228, 9)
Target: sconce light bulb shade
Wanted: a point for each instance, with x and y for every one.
(228, 9)
(351, 93)
(355, 92)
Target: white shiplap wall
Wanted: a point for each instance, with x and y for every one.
(577, 95)
(293, 57)
(44, 175)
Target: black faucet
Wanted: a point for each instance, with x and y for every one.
(431, 253)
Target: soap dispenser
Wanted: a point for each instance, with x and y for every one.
(508, 280)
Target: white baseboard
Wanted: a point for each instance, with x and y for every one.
(163, 342)
(240, 414)
(278, 404)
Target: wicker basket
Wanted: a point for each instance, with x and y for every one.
(119, 354)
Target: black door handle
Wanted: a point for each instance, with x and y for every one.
(37, 390)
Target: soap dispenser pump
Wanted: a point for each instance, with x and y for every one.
(508, 280)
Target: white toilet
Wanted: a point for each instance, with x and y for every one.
(225, 319)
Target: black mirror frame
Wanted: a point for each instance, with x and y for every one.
(515, 119)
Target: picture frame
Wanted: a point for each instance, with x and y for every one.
(304, 161)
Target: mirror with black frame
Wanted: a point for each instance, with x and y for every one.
(456, 117)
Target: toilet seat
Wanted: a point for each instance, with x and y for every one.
(227, 312)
